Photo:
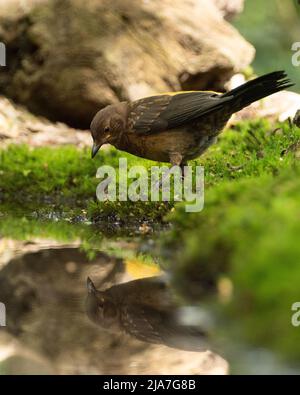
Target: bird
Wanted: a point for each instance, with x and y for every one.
(179, 126)
(146, 310)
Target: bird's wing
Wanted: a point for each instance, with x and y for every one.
(143, 322)
(156, 326)
(158, 113)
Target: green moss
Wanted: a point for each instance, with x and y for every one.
(23, 228)
(250, 149)
(39, 172)
(248, 233)
(63, 179)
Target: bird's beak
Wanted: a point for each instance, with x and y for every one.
(90, 286)
(95, 149)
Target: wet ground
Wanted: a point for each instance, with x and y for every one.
(83, 298)
(124, 320)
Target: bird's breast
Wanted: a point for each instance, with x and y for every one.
(160, 146)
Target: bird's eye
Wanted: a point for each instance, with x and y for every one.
(106, 129)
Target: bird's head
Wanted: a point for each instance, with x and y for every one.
(100, 308)
(108, 125)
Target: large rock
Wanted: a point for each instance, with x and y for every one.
(66, 59)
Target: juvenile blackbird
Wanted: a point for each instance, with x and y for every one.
(176, 127)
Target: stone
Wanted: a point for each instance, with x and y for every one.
(67, 59)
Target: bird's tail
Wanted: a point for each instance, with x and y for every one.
(256, 89)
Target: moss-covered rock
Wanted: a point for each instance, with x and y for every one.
(63, 179)
(241, 255)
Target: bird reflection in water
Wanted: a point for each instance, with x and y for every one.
(147, 310)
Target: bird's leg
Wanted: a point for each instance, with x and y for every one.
(182, 170)
(175, 160)
(164, 176)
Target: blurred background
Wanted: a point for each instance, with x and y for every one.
(272, 26)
